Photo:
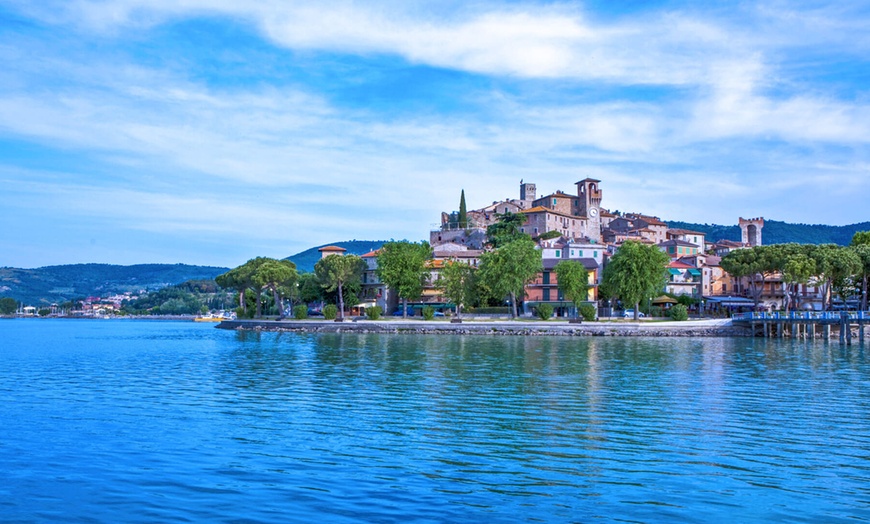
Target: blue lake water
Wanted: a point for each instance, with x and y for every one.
(138, 421)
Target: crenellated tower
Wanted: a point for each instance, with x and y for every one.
(750, 230)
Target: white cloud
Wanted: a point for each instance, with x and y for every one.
(526, 40)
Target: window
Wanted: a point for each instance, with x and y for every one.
(595, 254)
(558, 253)
(536, 231)
(546, 294)
(572, 252)
(580, 253)
(546, 277)
(554, 201)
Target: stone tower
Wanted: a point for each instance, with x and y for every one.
(750, 230)
(589, 206)
(528, 194)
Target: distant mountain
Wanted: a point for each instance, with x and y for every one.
(57, 284)
(305, 260)
(776, 232)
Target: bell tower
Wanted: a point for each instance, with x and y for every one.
(588, 205)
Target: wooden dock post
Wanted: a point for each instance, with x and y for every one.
(844, 326)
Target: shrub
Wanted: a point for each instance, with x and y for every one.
(428, 313)
(679, 312)
(44, 312)
(374, 312)
(587, 311)
(300, 312)
(330, 311)
(544, 311)
(656, 311)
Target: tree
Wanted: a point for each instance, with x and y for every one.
(508, 269)
(402, 267)
(334, 271)
(8, 306)
(798, 269)
(506, 230)
(835, 266)
(861, 244)
(636, 272)
(238, 280)
(742, 263)
(309, 288)
(241, 279)
(458, 284)
(573, 281)
(279, 277)
(463, 212)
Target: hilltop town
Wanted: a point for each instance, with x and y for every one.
(564, 226)
(577, 227)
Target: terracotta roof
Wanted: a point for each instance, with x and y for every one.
(468, 253)
(588, 263)
(371, 254)
(684, 232)
(676, 264)
(675, 242)
(332, 248)
(557, 194)
(653, 221)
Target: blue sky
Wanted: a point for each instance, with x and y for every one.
(213, 131)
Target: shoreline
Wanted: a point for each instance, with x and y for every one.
(698, 328)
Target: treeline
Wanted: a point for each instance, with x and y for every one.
(840, 271)
(188, 298)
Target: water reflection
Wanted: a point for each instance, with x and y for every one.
(201, 424)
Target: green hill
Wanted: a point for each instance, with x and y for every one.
(305, 260)
(57, 284)
(776, 232)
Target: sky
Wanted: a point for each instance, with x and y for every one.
(213, 131)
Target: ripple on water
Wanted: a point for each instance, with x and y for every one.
(143, 421)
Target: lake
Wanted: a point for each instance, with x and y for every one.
(149, 421)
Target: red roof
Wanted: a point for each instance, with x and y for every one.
(676, 264)
(332, 248)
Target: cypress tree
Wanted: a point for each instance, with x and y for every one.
(463, 213)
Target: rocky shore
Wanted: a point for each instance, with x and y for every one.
(701, 328)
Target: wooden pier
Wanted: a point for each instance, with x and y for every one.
(805, 324)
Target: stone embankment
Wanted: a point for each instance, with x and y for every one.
(701, 328)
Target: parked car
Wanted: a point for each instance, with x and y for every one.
(629, 313)
(314, 312)
(398, 312)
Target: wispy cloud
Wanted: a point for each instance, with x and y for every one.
(689, 114)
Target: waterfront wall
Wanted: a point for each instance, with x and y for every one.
(592, 329)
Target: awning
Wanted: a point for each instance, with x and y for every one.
(664, 299)
(695, 272)
(674, 271)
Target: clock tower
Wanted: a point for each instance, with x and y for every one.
(589, 204)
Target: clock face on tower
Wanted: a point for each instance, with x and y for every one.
(593, 212)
